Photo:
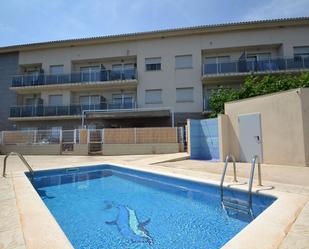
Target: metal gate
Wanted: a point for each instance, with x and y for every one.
(95, 141)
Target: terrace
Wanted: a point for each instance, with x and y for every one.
(68, 110)
(81, 78)
(247, 66)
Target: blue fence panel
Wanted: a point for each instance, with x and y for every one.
(204, 139)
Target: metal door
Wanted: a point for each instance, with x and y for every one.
(250, 136)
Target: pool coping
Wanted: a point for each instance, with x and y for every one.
(268, 230)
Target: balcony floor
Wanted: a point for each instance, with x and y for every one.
(115, 84)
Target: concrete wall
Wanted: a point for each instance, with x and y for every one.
(304, 96)
(8, 68)
(27, 149)
(139, 149)
(80, 150)
(284, 120)
(223, 135)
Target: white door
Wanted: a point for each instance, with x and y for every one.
(250, 136)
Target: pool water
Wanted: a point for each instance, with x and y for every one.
(112, 207)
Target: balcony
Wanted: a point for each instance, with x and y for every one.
(245, 67)
(70, 110)
(81, 78)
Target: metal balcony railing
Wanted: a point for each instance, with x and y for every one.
(246, 66)
(74, 109)
(75, 77)
(206, 107)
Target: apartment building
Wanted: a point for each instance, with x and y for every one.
(157, 78)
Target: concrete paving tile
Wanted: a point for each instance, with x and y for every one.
(11, 240)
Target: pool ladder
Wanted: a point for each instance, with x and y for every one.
(235, 204)
(22, 159)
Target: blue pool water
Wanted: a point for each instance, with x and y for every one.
(112, 207)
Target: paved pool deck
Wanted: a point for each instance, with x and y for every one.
(20, 214)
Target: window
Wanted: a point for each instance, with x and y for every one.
(122, 98)
(259, 57)
(30, 101)
(89, 99)
(55, 100)
(56, 69)
(184, 94)
(183, 61)
(153, 96)
(128, 66)
(301, 52)
(217, 59)
(117, 67)
(217, 64)
(90, 73)
(28, 128)
(153, 64)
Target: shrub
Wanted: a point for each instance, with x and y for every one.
(255, 86)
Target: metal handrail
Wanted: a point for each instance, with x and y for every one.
(228, 157)
(74, 77)
(260, 65)
(21, 158)
(254, 159)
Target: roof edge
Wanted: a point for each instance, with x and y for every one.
(164, 33)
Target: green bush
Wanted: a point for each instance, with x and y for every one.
(255, 86)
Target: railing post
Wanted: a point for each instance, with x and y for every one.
(303, 59)
(103, 138)
(60, 136)
(177, 140)
(35, 136)
(2, 137)
(74, 136)
(135, 136)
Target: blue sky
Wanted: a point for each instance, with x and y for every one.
(27, 21)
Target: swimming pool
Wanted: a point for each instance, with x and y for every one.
(107, 206)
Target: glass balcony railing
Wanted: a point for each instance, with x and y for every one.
(75, 77)
(246, 66)
(74, 109)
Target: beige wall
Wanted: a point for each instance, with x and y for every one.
(283, 131)
(304, 95)
(223, 136)
(168, 79)
(139, 149)
(26, 149)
